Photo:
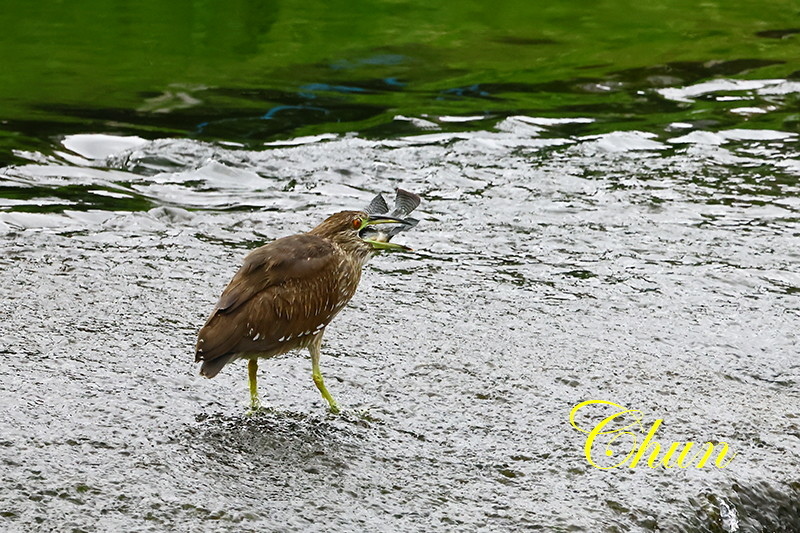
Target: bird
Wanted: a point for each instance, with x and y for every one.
(287, 292)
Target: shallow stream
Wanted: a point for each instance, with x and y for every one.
(635, 241)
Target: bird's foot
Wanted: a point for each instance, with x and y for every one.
(255, 411)
(255, 406)
(318, 381)
(333, 408)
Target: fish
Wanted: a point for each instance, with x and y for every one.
(404, 203)
(377, 206)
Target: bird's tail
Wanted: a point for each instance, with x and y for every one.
(212, 367)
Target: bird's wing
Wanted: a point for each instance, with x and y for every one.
(291, 258)
(252, 291)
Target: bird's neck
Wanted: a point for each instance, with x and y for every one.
(358, 253)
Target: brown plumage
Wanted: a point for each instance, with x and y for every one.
(284, 296)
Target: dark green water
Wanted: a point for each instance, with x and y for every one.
(611, 212)
(255, 71)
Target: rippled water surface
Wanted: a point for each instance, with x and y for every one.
(630, 236)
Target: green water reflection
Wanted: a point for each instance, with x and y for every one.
(254, 70)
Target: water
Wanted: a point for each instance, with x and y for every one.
(627, 235)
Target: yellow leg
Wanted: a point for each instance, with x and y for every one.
(317, 375)
(252, 373)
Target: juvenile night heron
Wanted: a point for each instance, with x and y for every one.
(288, 291)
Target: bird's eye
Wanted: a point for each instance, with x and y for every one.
(357, 222)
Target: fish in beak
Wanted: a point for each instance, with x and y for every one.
(404, 203)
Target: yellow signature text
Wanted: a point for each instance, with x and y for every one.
(623, 433)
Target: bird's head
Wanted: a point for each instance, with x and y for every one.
(354, 231)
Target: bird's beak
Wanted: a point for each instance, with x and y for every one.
(378, 239)
(380, 219)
